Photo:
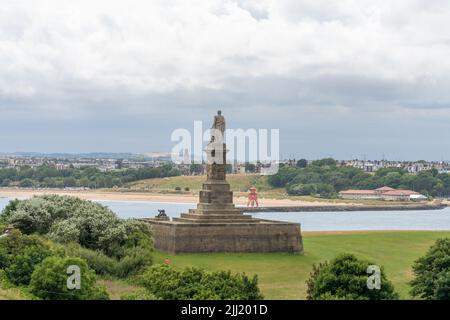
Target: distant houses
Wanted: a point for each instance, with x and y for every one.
(383, 193)
(409, 166)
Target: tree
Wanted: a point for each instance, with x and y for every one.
(196, 168)
(70, 219)
(302, 163)
(70, 182)
(20, 254)
(250, 167)
(283, 176)
(26, 183)
(10, 208)
(346, 277)
(49, 281)
(432, 273)
(322, 189)
(20, 271)
(324, 162)
(34, 215)
(302, 189)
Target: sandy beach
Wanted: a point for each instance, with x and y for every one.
(151, 197)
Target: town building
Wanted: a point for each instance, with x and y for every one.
(383, 193)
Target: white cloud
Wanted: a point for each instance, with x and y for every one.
(158, 46)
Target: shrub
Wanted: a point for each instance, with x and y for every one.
(49, 281)
(38, 213)
(432, 273)
(301, 189)
(138, 295)
(9, 209)
(26, 183)
(69, 219)
(223, 285)
(166, 283)
(93, 226)
(162, 281)
(96, 260)
(20, 254)
(345, 277)
(32, 216)
(135, 260)
(20, 271)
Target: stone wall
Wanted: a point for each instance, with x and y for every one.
(266, 236)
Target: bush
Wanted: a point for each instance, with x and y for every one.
(346, 277)
(166, 283)
(301, 189)
(93, 226)
(138, 295)
(162, 281)
(96, 260)
(302, 163)
(135, 260)
(225, 286)
(26, 183)
(49, 281)
(70, 219)
(20, 271)
(432, 273)
(20, 254)
(33, 215)
(8, 210)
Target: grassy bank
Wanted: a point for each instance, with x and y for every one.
(283, 276)
(239, 184)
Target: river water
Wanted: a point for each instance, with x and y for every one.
(310, 221)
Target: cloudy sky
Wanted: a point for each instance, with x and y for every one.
(338, 78)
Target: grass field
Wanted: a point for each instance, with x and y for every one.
(283, 276)
(238, 182)
(11, 294)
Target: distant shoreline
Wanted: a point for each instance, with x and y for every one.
(280, 205)
(346, 208)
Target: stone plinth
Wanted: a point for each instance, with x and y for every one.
(254, 236)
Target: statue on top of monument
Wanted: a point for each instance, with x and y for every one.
(219, 122)
(218, 128)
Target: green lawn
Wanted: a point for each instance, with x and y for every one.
(283, 276)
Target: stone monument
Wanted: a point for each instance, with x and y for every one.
(216, 225)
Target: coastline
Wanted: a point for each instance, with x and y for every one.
(100, 195)
(280, 205)
(346, 208)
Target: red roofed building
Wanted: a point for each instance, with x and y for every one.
(385, 188)
(383, 193)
